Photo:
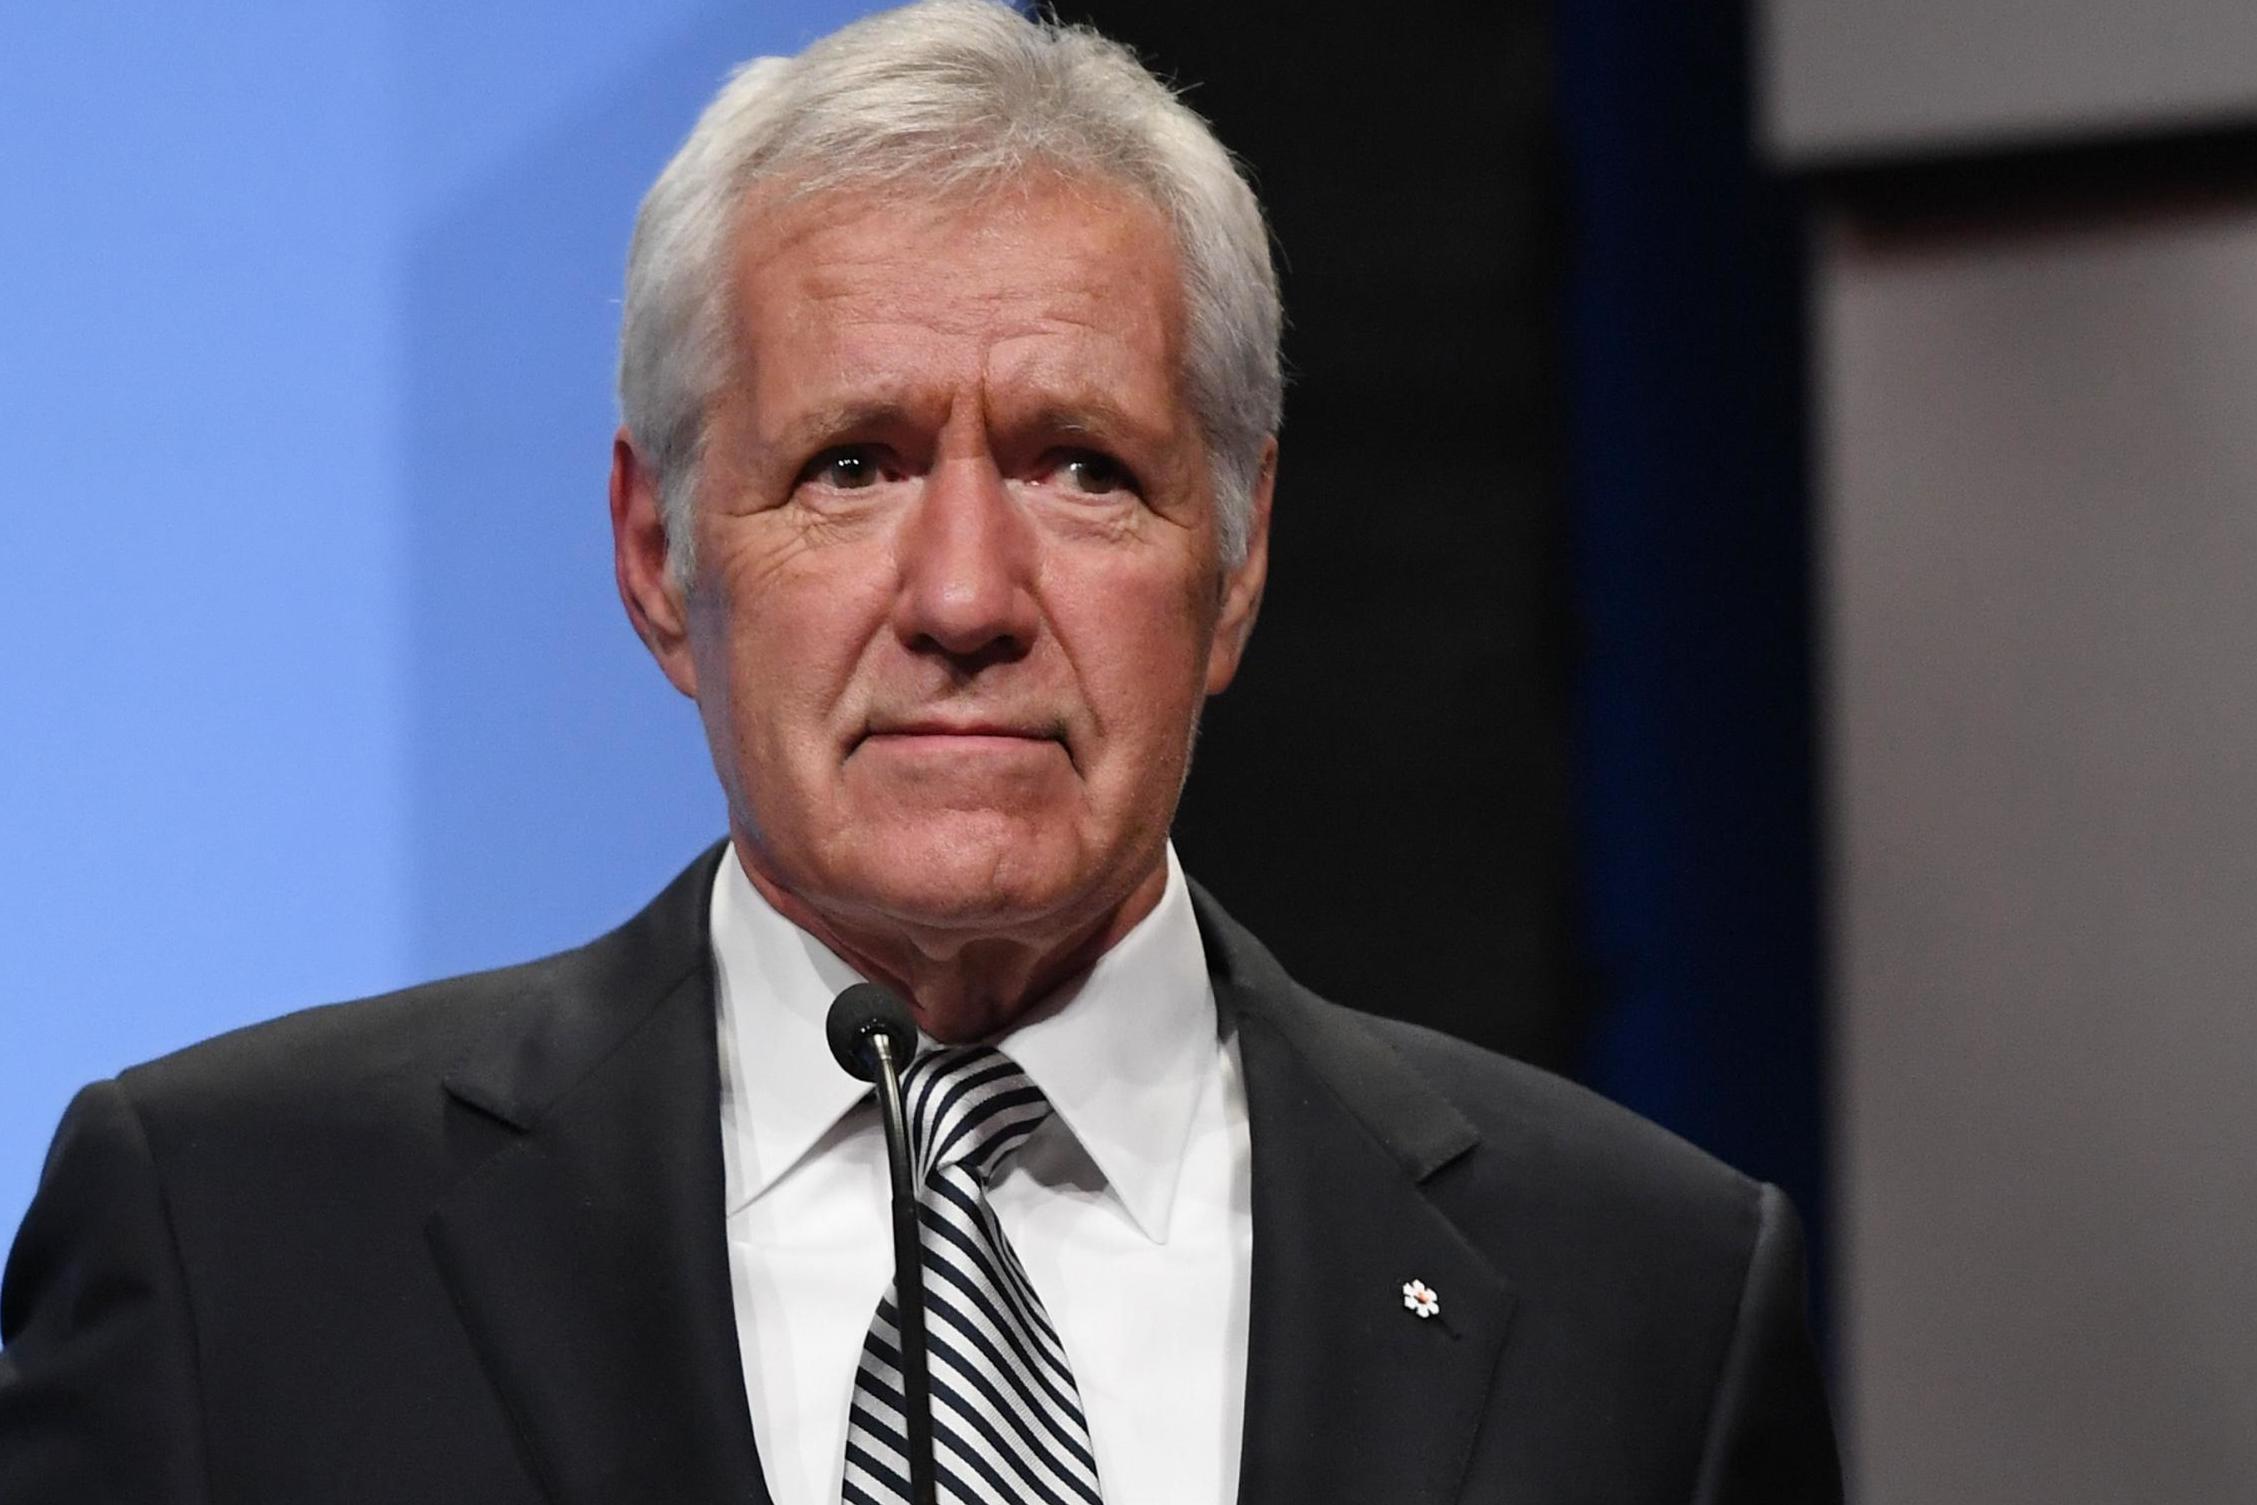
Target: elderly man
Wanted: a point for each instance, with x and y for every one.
(950, 388)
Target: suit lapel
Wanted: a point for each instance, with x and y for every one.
(1349, 1394)
(586, 1254)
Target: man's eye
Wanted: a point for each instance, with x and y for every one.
(849, 468)
(1093, 474)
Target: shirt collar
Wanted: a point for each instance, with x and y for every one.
(1125, 1052)
(781, 1090)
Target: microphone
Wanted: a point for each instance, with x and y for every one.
(860, 1018)
(873, 1038)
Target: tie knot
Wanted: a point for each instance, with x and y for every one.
(969, 1105)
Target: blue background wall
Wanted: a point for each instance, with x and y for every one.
(314, 680)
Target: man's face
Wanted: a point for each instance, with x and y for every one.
(958, 598)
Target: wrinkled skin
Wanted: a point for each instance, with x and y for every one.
(958, 598)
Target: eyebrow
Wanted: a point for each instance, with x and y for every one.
(1090, 414)
(832, 419)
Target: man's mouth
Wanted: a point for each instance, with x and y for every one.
(967, 728)
(967, 736)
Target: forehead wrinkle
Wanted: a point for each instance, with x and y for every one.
(893, 347)
(879, 285)
(1068, 390)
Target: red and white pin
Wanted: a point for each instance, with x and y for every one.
(1421, 1298)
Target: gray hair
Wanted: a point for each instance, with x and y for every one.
(946, 97)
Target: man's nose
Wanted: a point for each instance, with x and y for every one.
(967, 562)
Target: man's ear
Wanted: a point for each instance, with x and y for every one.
(1242, 587)
(647, 587)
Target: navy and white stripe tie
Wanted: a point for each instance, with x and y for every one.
(1007, 1420)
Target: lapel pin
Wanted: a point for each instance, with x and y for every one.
(1420, 1298)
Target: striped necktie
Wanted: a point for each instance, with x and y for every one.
(1007, 1421)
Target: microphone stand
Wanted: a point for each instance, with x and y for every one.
(872, 1037)
(908, 1275)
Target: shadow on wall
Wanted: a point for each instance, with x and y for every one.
(555, 779)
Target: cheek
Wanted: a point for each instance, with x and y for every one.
(750, 709)
(792, 623)
(1146, 670)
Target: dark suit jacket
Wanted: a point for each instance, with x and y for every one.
(465, 1244)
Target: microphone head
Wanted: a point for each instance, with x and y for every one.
(861, 1012)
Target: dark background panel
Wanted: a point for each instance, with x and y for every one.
(1382, 794)
(1525, 746)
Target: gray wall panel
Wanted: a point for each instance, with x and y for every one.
(1886, 78)
(2041, 557)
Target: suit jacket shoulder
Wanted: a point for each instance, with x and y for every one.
(519, 1033)
(1640, 1303)
(458, 1242)
(1580, 1157)
(1435, 1098)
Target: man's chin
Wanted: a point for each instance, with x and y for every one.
(928, 879)
(953, 889)
(985, 876)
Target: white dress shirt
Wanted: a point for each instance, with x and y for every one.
(1130, 1207)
